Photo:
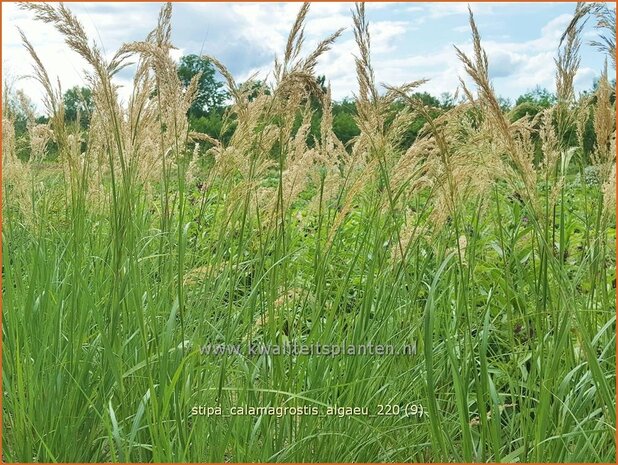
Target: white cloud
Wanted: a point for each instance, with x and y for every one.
(407, 42)
(514, 66)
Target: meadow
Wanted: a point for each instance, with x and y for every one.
(487, 245)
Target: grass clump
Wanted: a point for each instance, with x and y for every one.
(145, 242)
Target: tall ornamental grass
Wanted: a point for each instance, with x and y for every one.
(483, 245)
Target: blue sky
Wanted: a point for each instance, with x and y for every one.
(410, 40)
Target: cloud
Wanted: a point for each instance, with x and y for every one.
(504, 63)
(433, 12)
(514, 66)
(409, 41)
(462, 28)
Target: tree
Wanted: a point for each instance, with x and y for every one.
(505, 104)
(211, 124)
(78, 100)
(344, 124)
(210, 95)
(427, 99)
(447, 100)
(595, 86)
(254, 88)
(539, 96)
(531, 103)
(321, 82)
(434, 107)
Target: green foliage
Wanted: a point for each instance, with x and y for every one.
(256, 87)
(114, 285)
(531, 103)
(13, 108)
(344, 124)
(495, 328)
(539, 96)
(210, 94)
(346, 128)
(78, 101)
(447, 100)
(429, 100)
(212, 124)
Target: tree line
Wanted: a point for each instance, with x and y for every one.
(207, 113)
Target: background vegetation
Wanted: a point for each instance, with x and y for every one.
(205, 212)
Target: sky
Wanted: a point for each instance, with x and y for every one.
(410, 41)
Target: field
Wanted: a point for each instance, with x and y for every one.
(144, 262)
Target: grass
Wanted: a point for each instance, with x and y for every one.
(123, 259)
